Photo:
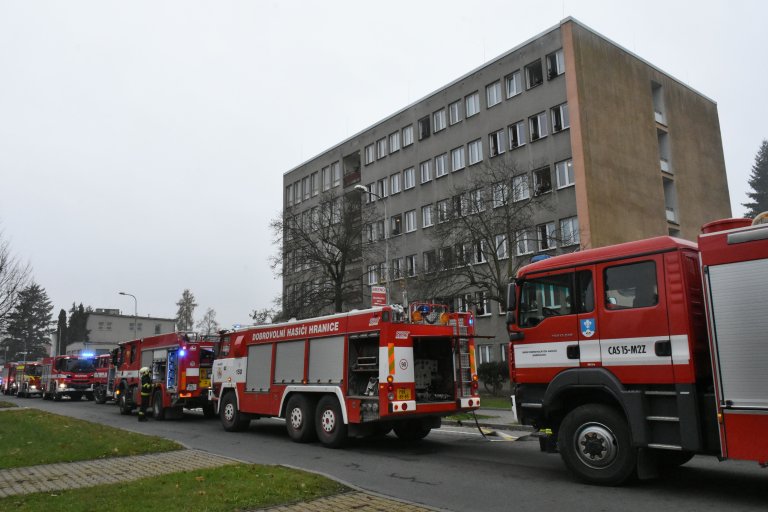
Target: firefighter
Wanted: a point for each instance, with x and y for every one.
(146, 389)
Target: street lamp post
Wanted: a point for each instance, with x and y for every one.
(363, 188)
(135, 313)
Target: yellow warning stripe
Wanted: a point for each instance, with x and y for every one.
(472, 358)
(391, 353)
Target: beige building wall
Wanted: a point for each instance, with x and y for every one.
(619, 182)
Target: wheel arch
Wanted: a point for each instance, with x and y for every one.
(318, 392)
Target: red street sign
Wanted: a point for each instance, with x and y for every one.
(378, 296)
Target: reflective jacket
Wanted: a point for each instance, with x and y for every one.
(146, 385)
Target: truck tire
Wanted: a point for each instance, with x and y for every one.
(594, 442)
(100, 395)
(123, 404)
(411, 430)
(158, 411)
(231, 418)
(329, 423)
(89, 396)
(299, 418)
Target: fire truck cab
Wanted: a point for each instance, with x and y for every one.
(28, 379)
(638, 356)
(104, 377)
(180, 364)
(70, 376)
(350, 374)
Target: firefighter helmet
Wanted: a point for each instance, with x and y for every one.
(144, 371)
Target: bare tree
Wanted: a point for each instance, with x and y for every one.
(14, 277)
(320, 254)
(479, 231)
(208, 324)
(185, 314)
(264, 316)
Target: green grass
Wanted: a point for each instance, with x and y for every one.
(495, 402)
(29, 437)
(228, 488)
(7, 405)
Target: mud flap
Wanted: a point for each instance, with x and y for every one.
(647, 468)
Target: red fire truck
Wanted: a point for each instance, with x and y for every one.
(104, 378)
(28, 379)
(180, 364)
(351, 374)
(9, 384)
(640, 355)
(70, 376)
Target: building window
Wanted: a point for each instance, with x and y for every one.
(514, 84)
(517, 135)
(520, 189)
(305, 187)
(326, 177)
(394, 183)
(454, 112)
(425, 171)
(315, 179)
(478, 249)
(381, 187)
(500, 194)
(369, 153)
(443, 208)
(555, 64)
(537, 126)
(410, 265)
(409, 178)
(139, 326)
(475, 151)
(289, 195)
(426, 216)
(396, 225)
(373, 274)
(496, 143)
(408, 135)
(546, 236)
(370, 198)
(441, 165)
(397, 268)
(477, 204)
(430, 261)
(336, 172)
(410, 221)
(101, 326)
(381, 148)
(569, 231)
(564, 173)
(484, 354)
(502, 247)
(457, 158)
(158, 327)
(542, 181)
(493, 94)
(525, 242)
(533, 74)
(560, 119)
(424, 130)
(472, 104)
(481, 305)
(394, 142)
(109, 326)
(439, 120)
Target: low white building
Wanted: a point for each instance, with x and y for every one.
(108, 327)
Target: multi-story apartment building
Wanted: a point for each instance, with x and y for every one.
(620, 149)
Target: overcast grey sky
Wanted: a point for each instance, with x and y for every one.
(142, 144)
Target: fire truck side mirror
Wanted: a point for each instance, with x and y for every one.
(511, 297)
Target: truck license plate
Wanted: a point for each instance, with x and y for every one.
(403, 394)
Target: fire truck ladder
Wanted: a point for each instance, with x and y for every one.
(462, 356)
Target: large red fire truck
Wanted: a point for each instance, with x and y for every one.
(70, 376)
(640, 355)
(9, 384)
(104, 378)
(180, 364)
(351, 374)
(28, 379)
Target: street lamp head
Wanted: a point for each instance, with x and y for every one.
(121, 293)
(361, 188)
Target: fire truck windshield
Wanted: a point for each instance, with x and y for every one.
(33, 371)
(75, 365)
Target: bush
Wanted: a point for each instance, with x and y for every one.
(493, 374)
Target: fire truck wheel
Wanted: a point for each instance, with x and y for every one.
(329, 423)
(123, 404)
(99, 395)
(89, 396)
(158, 411)
(231, 418)
(411, 430)
(299, 419)
(594, 442)
(56, 396)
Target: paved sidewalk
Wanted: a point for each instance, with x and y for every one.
(357, 501)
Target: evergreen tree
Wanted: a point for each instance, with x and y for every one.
(61, 332)
(29, 324)
(185, 315)
(78, 319)
(758, 181)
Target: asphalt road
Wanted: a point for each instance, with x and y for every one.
(455, 468)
